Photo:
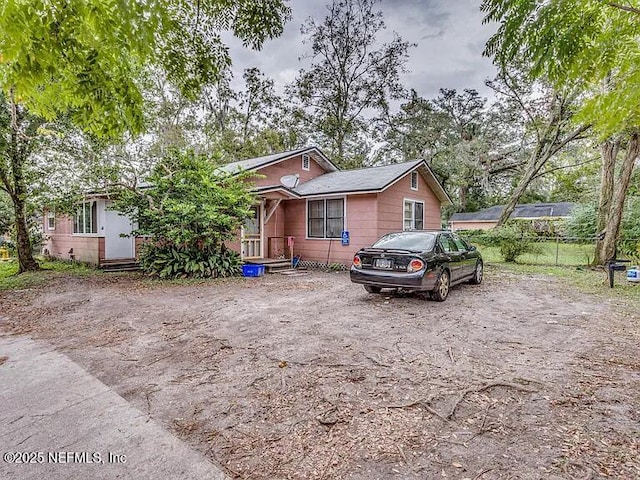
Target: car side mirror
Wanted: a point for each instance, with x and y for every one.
(472, 248)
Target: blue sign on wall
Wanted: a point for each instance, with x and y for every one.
(345, 237)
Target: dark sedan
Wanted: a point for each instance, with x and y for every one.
(419, 261)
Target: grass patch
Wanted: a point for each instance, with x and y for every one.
(586, 280)
(10, 280)
(572, 266)
(549, 253)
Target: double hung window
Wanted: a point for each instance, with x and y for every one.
(85, 219)
(413, 215)
(325, 218)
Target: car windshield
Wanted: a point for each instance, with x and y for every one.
(416, 241)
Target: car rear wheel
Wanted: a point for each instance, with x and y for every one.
(372, 289)
(441, 291)
(477, 275)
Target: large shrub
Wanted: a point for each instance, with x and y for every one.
(182, 262)
(582, 224)
(513, 239)
(188, 211)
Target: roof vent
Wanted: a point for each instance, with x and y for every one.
(290, 181)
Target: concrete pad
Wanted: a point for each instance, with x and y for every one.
(59, 422)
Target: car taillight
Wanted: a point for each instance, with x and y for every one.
(415, 265)
(357, 262)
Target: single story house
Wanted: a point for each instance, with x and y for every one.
(488, 218)
(306, 205)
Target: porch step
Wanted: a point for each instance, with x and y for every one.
(121, 265)
(271, 265)
(292, 272)
(277, 267)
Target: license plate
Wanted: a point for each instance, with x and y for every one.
(382, 263)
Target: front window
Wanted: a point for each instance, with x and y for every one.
(86, 218)
(413, 215)
(325, 218)
(51, 220)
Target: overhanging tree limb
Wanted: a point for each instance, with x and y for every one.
(564, 167)
(538, 159)
(625, 8)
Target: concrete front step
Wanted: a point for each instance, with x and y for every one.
(122, 269)
(124, 265)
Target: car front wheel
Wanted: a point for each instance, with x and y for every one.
(441, 292)
(372, 289)
(477, 275)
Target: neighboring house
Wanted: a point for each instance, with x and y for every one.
(488, 218)
(303, 198)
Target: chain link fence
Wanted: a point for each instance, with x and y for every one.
(559, 251)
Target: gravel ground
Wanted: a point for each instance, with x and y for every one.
(302, 377)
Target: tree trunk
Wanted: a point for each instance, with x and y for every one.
(532, 169)
(17, 152)
(462, 193)
(606, 249)
(26, 262)
(609, 151)
(339, 149)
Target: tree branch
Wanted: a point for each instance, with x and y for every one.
(563, 167)
(626, 8)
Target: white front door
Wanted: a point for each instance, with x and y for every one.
(115, 245)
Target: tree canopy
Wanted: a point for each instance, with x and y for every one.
(591, 43)
(351, 73)
(85, 56)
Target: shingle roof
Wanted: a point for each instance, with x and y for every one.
(360, 180)
(370, 179)
(258, 162)
(527, 210)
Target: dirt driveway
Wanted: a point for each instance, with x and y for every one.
(311, 377)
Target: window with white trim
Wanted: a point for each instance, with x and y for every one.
(305, 162)
(413, 215)
(325, 218)
(51, 220)
(414, 180)
(85, 219)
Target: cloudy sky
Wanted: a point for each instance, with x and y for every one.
(449, 33)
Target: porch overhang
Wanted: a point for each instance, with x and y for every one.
(276, 192)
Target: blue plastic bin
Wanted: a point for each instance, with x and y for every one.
(252, 270)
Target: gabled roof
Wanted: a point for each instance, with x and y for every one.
(262, 162)
(525, 210)
(370, 180)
